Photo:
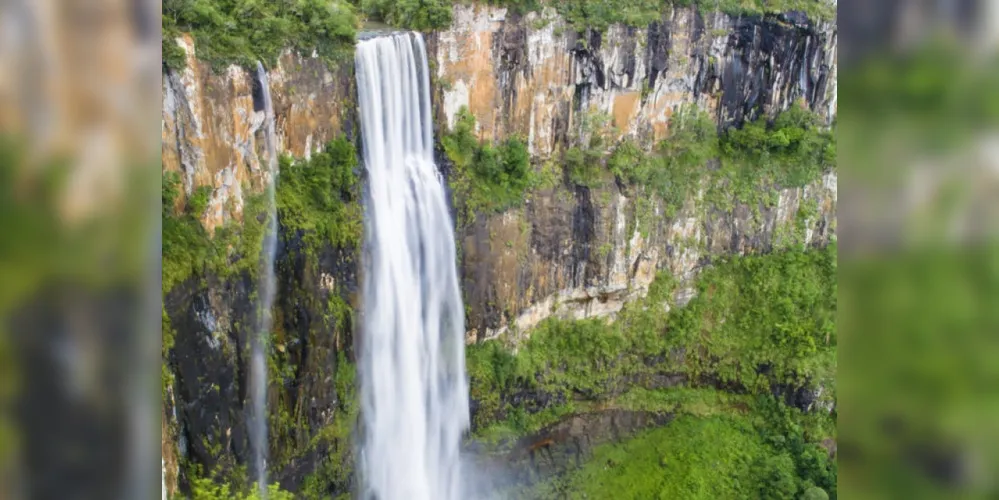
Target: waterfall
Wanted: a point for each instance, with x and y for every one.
(259, 342)
(412, 359)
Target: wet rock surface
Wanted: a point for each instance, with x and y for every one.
(214, 319)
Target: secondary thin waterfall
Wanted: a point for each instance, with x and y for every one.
(413, 383)
(258, 365)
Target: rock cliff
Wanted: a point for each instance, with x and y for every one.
(568, 251)
(533, 76)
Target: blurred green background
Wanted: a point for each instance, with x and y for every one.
(919, 256)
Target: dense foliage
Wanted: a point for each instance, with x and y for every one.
(919, 367)
(791, 149)
(739, 164)
(585, 14)
(205, 489)
(315, 202)
(757, 322)
(486, 177)
(673, 171)
(246, 31)
(422, 15)
(189, 250)
(730, 455)
(317, 199)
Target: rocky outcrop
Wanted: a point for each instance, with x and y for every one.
(213, 320)
(213, 123)
(578, 253)
(535, 77)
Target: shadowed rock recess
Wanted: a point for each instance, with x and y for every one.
(566, 250)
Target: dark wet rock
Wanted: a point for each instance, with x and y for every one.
(214, 319)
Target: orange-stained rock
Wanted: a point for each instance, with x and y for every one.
(531, 75)
(625, 108)
(212, 124)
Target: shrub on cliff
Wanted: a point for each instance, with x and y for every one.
(246, 31)
(738, 164)
(420, 15)
(757, 322)
(486, 177)
(317, 199)
(791, 149)
(206, 489)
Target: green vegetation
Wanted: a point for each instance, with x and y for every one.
(901, 109)
(584, 163)
(675, 169)
(317, 199)
(205, 489)
(316, 205)
(694, 401)
(318, 210)
(166, 376)
(188, 249)
(773, 311)
(600, 14)
(791, 150)
(918, 316)
(758, 448)
(486, 178)
(756, 321)
(335, 469)
(337, 466)
(821, 10)
(246, 31)
(919, 367)
(420, 15)
(585, 14)
(689, 458)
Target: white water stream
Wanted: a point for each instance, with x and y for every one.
(414, 388)
(259, 343)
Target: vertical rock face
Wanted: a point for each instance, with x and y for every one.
(213, 322)
(213, 135)
(213, 123)
(580, 252)
(586, 252)
(534, 76)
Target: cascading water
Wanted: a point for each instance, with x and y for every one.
(413, 383)
(258, 366)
